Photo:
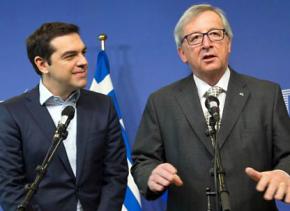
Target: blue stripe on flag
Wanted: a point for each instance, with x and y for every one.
(102, 70)
(128, 148)
(124, 133)
(114, 98)
(102, 65)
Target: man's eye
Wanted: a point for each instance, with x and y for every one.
(194, 38)
(69, 56)
(215, 34)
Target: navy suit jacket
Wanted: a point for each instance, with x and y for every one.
(255, 132)
(26, 131)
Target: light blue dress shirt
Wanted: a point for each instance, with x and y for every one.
(55, 105)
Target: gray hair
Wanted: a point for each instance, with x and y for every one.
(194, 11)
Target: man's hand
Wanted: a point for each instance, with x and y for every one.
(162, 176)
(275, 183)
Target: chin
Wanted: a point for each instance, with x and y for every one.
(78, 86)
(81, 84)
(213, 68)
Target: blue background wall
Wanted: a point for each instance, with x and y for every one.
(141, 49)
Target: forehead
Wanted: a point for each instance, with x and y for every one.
(203, 22)
(67, 42)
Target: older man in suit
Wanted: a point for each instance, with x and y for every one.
(89, 171)
(173, 151)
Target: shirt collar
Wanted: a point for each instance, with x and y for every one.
(47, 98)
(202, 86)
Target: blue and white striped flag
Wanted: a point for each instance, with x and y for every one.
(102, 83)
(286, 96)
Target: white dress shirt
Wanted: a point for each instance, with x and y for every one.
(202, 88)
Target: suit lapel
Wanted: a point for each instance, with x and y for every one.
(188, 100)
(236, 98)
(41, 115)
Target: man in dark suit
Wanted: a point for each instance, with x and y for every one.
(89, 170)
(172, 150)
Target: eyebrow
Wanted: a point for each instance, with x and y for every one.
(212, 28)
(67, 53)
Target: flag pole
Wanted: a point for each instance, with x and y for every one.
(102, 38)
(102, 83)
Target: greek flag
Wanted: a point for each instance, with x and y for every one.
(286, 95)
(102, 83)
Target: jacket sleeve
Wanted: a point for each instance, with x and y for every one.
(148, 150)
(12, 176)
(281, 133)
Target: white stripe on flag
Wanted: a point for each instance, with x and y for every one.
(122, 123)
(132, 187)
(124, 208)
(286, 94)
(132, 184)
(104, 87)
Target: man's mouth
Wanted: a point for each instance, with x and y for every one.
(80, 71)
(208, 57)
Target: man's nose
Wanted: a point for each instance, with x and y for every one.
(206, 42)
(82, 60)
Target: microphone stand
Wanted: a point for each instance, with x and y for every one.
(222, 194)
(59, 136)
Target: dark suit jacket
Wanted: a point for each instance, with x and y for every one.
(26, 131)
(255, 132)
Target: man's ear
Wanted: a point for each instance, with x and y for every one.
(41, 64)
(230, 46)
(182, 55)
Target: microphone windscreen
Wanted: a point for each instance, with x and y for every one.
(68, 111)
(210, 99)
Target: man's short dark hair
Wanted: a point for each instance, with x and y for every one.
(38, 43)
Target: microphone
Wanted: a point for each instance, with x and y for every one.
(67, 115)
(212, 104)
(60, 134)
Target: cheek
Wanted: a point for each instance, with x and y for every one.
(223, 52)
(227, 48)
(195, 57)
